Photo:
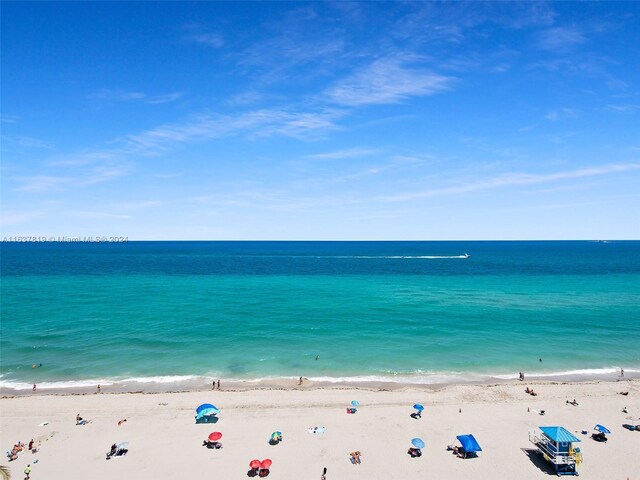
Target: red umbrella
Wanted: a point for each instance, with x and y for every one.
(254, 464)
(266, 463)
(215, 436)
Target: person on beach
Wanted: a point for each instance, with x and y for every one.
(622, 372)
(31, 445)
(27, 472)
(324, 474)
(218, 384)
(300, 381)
(98, 388)
(213, 385)
(120, 422)
(80, 420)
(34, 388)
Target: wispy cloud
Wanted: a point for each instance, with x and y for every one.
(254, 124)
(345, 153)
(198, 34)
(47, 183)
(387, 80)
(560, 38)
(561, 114)
(8, 118)
(514, 179)
(124, 96)
(26, 142)
(629, 108)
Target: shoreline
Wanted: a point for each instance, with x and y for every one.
(291, 384)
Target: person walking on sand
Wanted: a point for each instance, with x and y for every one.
(27, 472)
(213, 385)
(300, 381)
(622, 372)
(324, 474)
(34, 388)
(98, 388)
(218, 384)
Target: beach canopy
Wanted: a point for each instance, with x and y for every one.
(355, 403)
(418, 407)
(601, 428)
(266, 463)
(206, 409)
(559, 434)
(122, 445)
(215, 436)
(254, 463)
(276, 434)
(469, 443)
(417, 442)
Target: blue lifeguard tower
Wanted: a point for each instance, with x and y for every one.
(556, 446)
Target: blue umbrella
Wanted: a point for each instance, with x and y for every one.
(206, 409)
(418, 407)
(355, 403)
(601, 428)
(417, 442)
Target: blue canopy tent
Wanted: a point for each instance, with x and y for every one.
(556, 446)
(206, 413)
(469, 445)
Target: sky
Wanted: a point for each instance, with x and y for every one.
(321, 120)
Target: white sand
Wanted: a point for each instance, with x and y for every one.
(166, 443)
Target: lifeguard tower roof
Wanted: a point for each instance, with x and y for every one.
(559, 434)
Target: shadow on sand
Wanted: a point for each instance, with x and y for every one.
(538, 460)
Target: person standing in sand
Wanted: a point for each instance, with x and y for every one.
(213, 385)
(622, 372)
(300, 381)
(218, 384)
(34, 388)
(98, 388)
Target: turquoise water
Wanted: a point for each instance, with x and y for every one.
(369, 310)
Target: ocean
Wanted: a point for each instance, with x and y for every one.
(168, 313)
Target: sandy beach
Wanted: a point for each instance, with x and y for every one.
(165, 442)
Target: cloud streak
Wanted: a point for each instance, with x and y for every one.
(124, 96)
(387, 80)
(515, 179)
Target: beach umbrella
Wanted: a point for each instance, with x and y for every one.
(417, 442)
(254, 464)
(215, 436)
(276, 434)
(355, 403)
(206, 409)
(418, 407)
(266, 463)
(601, 428)
(122, 445)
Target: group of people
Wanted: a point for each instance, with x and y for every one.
(457, 451)
(530, 392)
(574, 403)
(209, 444)
(414, 452)
(21, 447)
(213, 384)
(355, 458)
(115, 451)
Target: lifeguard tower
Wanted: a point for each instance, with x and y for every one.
(556, 446)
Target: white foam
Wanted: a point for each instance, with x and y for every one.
(55, 385)
(161, 379)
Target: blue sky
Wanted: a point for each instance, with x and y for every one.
(321, 120)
